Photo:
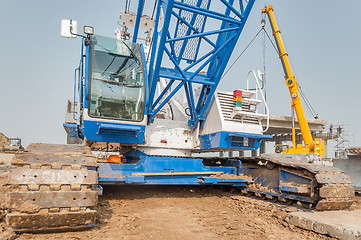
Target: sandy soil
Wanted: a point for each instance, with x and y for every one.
(5, 162)
(143, 212)
(183, 213)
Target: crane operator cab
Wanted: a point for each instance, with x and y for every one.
(114, 101)
(116, 80)
(281, 148)
(110, 87)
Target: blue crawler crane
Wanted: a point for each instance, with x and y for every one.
(150, 104)
(132, 100)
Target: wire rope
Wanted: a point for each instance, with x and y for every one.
(155, 5)
(241, 53)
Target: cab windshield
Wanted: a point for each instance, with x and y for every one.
(117, 79)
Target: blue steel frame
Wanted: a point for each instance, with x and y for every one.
(284, 184)
(160, 170)
(224, 140)
(145, 169)
(213, 61)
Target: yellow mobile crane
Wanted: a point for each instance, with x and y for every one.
(311, 145)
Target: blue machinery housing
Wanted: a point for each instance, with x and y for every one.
(155, 170)
(203, 68)
(231, 140)
(114, 132)
(183, 45)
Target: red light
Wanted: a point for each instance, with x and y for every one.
(237, 93)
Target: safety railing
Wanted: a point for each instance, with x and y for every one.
(259, 89)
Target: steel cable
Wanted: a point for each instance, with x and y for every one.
(241, 53)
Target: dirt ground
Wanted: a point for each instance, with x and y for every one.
(144, 212)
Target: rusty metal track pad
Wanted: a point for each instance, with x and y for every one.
(52, 189)
(63, 149)
(32, 201)
(49, 159)
(23, 222)
(334, 205)
(334, 192)
(324, 178)
(322, 169)
(50, 176)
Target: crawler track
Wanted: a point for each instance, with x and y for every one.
(294, 178)
(51, 189)
(52, 186)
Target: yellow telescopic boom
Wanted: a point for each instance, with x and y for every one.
(291, 82)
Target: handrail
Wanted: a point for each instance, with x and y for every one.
(75, 81)
(258, 88)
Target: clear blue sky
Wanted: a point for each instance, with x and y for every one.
(322, 38)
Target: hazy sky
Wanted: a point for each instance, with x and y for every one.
(37, 65)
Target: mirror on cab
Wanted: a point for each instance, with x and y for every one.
(69, 28)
